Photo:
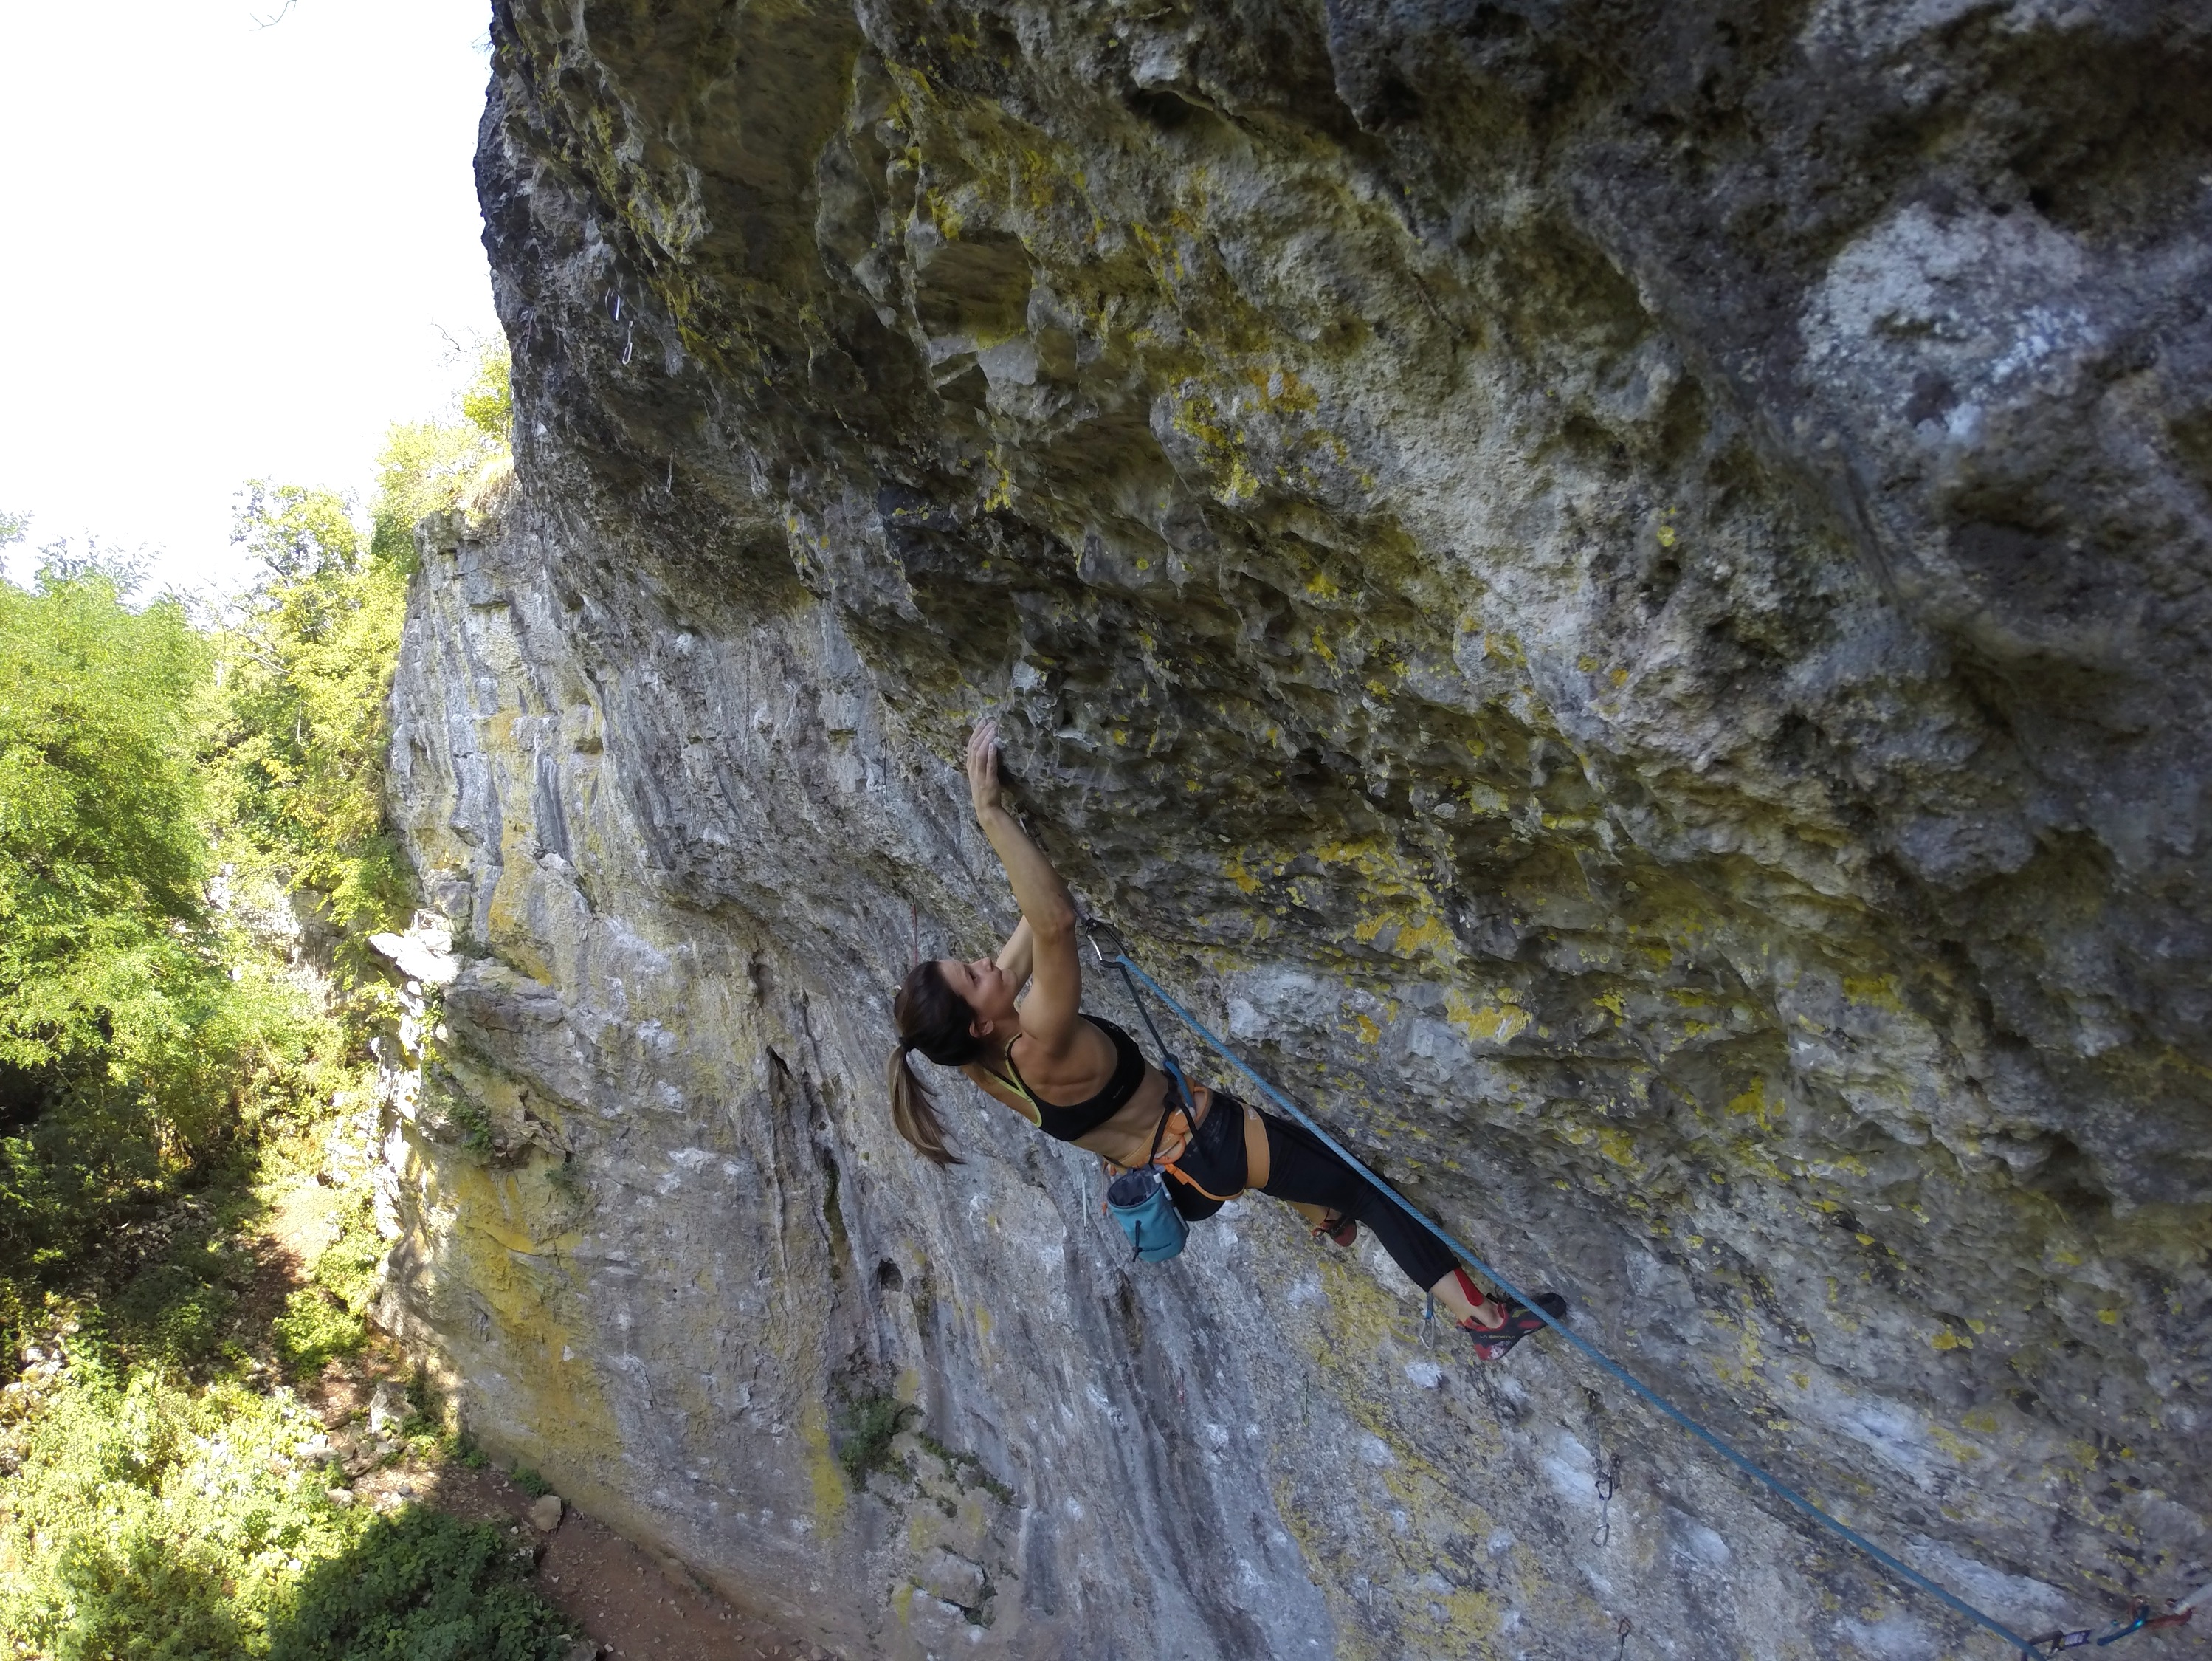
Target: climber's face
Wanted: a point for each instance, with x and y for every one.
(989, 990)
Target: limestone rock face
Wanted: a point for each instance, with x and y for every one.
(1616, 594)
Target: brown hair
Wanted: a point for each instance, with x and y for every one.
(931, 1017)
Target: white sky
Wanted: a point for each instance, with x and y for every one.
(226, 252)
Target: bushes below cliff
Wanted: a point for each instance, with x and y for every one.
(148, 1517)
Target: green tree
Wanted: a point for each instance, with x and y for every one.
(307, 668)
(100, 855)
(163, 793)
(143, 766)
(433, 466)
(301, 727)
(123, 1036)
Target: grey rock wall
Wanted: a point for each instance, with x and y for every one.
(1617, 591)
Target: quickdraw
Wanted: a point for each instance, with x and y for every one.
(1608, 1484)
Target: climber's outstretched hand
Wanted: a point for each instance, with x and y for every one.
(1048, 1016)
(983, 767)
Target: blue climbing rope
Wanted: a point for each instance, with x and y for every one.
(1606, 1363)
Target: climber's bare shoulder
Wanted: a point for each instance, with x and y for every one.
(1076, 1067)
(980, 1076)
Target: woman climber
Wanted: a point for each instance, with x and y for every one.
(966, 1015)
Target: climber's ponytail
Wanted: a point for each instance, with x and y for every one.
(914, 1115)
(933, 1018)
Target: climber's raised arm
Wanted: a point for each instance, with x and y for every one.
(1048, 1013)
(1016, 956)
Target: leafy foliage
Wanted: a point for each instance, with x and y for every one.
(301, 727)
(152, 779)
(149, 1519)
(871, 1425)
(102, 936)
(433, 466)
(307, 667)
(347, 1267)
(138, 1500)
(421, 1586)
(169, 799)
(526, 1478)
(131, 1037)
(313, 1329)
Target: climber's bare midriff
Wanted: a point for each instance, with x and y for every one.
(1125, 1140)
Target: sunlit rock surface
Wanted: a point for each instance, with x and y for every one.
(1618, 592)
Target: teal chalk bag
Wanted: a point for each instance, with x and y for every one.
(1140, 1203)
(1139, 1199)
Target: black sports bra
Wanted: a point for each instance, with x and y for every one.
(1065, 1125)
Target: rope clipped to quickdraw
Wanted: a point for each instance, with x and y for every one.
(1169, 1065)
(1911, 1577)
(1623, 1629)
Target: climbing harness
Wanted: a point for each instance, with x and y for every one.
(1139, 1200)
(1131, 974)
(1608, 1484)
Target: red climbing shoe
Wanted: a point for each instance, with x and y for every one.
(1344, 1230)
(1496, 1344)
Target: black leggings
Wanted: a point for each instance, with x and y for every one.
(1302, 1170)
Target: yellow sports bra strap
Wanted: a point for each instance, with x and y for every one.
(1036, 1114)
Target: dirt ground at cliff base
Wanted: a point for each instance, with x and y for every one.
(628, 1604)
(632, 1606)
